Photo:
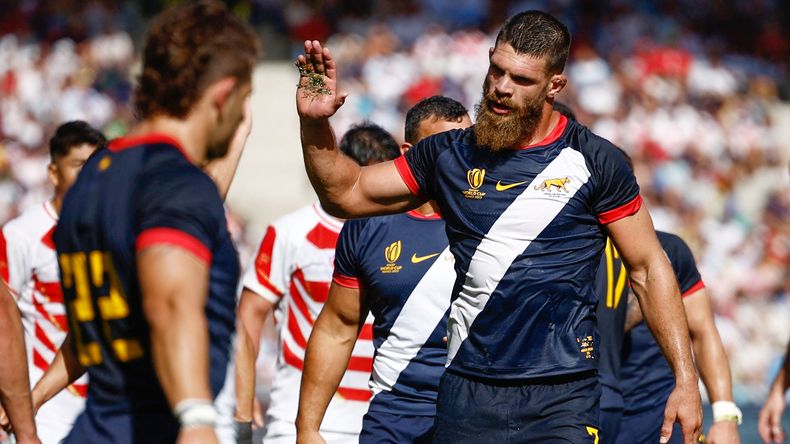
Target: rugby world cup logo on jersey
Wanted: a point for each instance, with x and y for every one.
(391, 254)
(475, 177)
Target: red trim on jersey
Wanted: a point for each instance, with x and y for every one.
(366, 334)
(319, 291)
(345, 281)
(41, 335)
(322, 237)
(402, 165)
(171, 236)
(39, 361)
(263, 261)
(296, 332)
(50, 290)
(123, 143)
(620, 212)
(552, 136)
(694, 288)
(3, 258)
(48, 239)
(417, 215)
(290, 357)
(353, 394)
(360, 364)
(297, 296)
(58, 320)
(80, 389)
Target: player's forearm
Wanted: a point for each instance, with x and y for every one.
(633, 314)
(331, 173)
(245, 375)
(782, 381)
(713, 365)
(14, 379)
(64, 370)
(179, 347)
(328, 352)
(656, 288)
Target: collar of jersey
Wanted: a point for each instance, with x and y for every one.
(123, 143)
(552, 136)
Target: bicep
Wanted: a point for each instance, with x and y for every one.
(345, 307)
(171, 276)
(380, 189)
(635, 239)
(699, 313)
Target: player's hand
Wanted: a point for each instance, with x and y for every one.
(309, 438)
(723, 432)
(769, 422)
(197, 435)
(685, 407)
(317, 95)
(257, 414)
(5, 423)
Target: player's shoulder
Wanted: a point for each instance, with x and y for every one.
(581, 138)
(673, 244)
(33, 222)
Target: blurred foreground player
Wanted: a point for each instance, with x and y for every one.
(14, 381)
(148, 267)
(398, 268)
(528, 198)
(769, 422)
(291, 274)
(31, 272)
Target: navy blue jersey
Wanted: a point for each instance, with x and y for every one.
(405, 269)
(524, 227)
(142, 191)
(645, 377)
(611, 284)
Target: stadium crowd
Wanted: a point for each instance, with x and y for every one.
(696, 110)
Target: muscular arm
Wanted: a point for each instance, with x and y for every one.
(14, 379)
(328, 352)
(709, 351)
(174, 287)
(769, 422)
(653, 281)
(63, 370)
(344, 188)
(633, 314)
(253, 311)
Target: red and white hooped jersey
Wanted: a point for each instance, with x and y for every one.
(293, 269)
(28, 264)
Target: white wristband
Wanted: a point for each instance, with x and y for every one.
(196, 413)
(726, 411)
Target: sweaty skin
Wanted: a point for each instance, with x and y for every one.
(347, 190)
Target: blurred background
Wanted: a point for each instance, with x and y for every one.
(697, 92)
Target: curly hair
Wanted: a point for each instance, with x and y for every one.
(537, 34)
(188, 47)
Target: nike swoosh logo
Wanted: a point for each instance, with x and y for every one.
(500, 187)
(417, 259)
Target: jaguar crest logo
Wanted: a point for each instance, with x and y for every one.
(554, 184)
(391, 254)
(475, 177)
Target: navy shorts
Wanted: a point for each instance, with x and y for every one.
(645, 428)
(610, 425)
(549, 410)
(389, 428)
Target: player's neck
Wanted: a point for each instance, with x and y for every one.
(548, 122)
(428, 208)
(187, 132)
(57, 203)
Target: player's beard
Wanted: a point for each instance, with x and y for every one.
(499, 132)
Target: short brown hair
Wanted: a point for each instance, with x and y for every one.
(540, 35)
(188, 47)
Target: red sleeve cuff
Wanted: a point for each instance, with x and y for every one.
(694, 288)
(408, 177)
(620, 212)
(345, 281)
(171, 236)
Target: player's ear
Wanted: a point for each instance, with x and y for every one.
(52, 174)
(556, 84)
(406, 146)
(220, 91)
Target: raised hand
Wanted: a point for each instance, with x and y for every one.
(317, 94)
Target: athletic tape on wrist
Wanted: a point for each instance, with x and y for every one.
(726, 411)
(196, 413)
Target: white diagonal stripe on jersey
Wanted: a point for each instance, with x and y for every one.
(523, 221)
(418, 318)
